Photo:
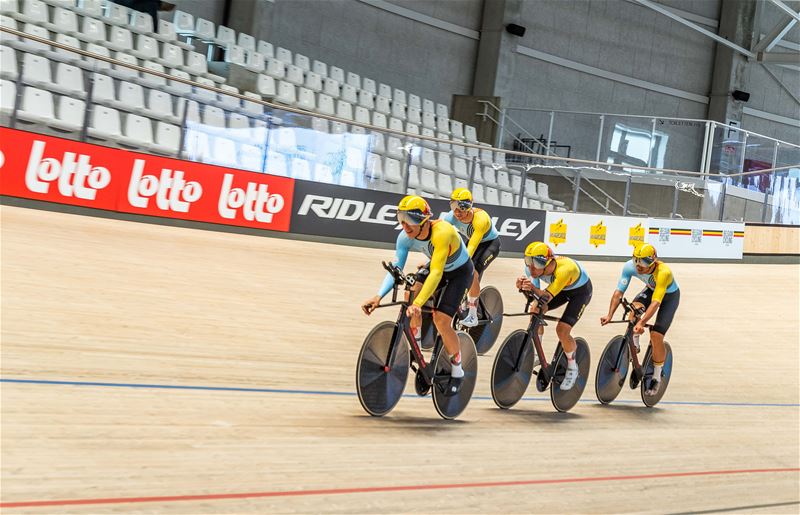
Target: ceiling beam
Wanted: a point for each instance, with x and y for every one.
(719, 39)
(775, 35)
(785, 8)
(779, 57)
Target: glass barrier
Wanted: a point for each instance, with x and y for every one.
(526, 133)
(783, 206)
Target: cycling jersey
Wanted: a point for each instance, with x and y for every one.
(568, 275)
(479, 230)
(444, 247)
(660, 281)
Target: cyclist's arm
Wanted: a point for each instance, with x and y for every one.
(537, 285)
(616, 300)
(663, 280)
(622, 286)
(438, 261)
(400, 258)
(481, 223)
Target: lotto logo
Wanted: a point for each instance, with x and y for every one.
(171, 192)
(74, 174)
(255, 201)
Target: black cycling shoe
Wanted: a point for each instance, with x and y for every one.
(453, 386)
(420, 385)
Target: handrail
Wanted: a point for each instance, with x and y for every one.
(569, 179)
(650, 117)
(295, 110)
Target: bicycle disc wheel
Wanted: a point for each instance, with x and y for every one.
(513, 368)
(609, 379)
(485, 335)
(564, 400)
(666, 372)
(449, 407)
(379, 389)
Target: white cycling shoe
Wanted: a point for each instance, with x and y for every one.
(570, 377)
(471, 320)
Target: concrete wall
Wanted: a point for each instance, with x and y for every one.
(211, 10)
(387, 47)
(621, 38)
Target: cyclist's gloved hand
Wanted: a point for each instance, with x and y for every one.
(369, 306)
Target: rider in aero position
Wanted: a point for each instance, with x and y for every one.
(483, 243)
(449, 269)
(661, 293)
(568, 284)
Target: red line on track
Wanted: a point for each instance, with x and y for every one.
(373, 489)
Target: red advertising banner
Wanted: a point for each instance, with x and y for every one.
(68, 172)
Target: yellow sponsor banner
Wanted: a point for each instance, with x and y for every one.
(597, 234)
(636, 235)
(558, 232)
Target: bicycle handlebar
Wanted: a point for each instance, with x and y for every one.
(399, 276)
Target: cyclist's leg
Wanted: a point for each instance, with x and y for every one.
(416, 321)
(577, 301)
(664, 316)
(579, 298)
(455, 285)
(483, 257)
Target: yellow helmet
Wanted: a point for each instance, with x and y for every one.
(538, 254)
(461, 198)
(644, 255)
(413, 210)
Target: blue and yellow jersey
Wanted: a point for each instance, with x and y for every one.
(660, 281)
(480, 229)
(568, 275)
(444, 247)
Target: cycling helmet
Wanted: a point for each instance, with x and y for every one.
(538, 255)
(413, 210)
(461, 199)
(644, 255)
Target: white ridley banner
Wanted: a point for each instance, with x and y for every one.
(696, 238)
(594, 235)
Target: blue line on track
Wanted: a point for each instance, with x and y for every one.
(350, 394)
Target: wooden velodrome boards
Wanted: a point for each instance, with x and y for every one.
(166, 370)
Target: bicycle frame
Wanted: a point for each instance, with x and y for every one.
(403, 322)
(537, 319)
(628, 337)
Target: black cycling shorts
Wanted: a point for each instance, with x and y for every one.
(666, 311)
(576, 301)
(485, 254)
(452, 288)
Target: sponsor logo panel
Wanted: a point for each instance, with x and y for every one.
(67, 172)
(352, 213)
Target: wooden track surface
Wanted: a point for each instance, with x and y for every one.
(102, 301)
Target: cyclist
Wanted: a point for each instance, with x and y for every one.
(483, 243)
(449, 272)
(661, 294)
(568, 284)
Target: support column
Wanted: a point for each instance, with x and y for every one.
(738, 24)
(494, 68)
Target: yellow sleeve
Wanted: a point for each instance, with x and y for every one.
(481, 223)
(567, 272)
(663, 280)
(441, 250)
